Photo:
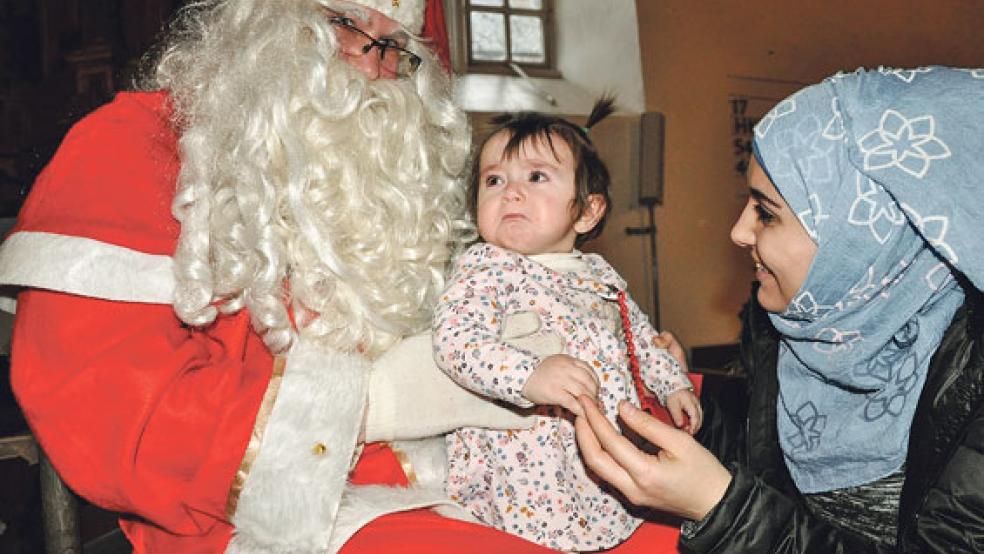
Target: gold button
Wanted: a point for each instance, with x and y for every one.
(319, 449)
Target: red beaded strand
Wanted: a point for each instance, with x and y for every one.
(646, 400)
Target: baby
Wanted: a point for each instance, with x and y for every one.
(530, 320)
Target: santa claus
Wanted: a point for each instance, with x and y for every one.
(212, 266)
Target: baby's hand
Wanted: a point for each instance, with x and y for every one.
(559, 380)
(685, 403)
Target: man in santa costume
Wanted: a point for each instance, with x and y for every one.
(217, 272)
(211, 267)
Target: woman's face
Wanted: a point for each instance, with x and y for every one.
(779, 245)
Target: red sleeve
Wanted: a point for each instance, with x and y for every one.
(112, 178)
(138, 413)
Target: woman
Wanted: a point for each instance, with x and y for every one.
(865, 430)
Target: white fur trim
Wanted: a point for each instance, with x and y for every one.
(409, 13)
(364, 504)
(429, 460)
(455, 511)
(85, 267)
(292, 494)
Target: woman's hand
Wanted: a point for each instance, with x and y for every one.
(669, 341)
(683, 478)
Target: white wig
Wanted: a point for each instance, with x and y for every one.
(304, 185)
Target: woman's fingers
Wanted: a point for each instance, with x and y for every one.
(668, 341)
(570, 403)
(649, 428)
(663, 340)
(582, 383)
(621, 450)
(684, 478)
(591, 450)
(594, 452)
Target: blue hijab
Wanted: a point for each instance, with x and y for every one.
(885, 170)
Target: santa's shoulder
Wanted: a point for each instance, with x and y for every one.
(113, 178)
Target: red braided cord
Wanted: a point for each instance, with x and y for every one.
(646, 400)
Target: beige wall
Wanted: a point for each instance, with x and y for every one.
(689, 49)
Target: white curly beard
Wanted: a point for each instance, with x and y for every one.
(304, 184)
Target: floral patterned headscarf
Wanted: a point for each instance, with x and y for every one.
(885, 170)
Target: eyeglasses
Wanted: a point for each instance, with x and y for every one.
(392, 57)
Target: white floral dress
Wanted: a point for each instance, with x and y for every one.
(532, 482)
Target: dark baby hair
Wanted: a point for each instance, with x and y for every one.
(590, 173)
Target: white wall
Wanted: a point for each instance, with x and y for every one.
(691, 51)
(591, 34)
(598, 49)
(597, 52)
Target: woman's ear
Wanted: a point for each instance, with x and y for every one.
(594, 209)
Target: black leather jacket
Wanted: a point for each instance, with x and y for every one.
(942, 503)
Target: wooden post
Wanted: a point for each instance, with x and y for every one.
(60, 509)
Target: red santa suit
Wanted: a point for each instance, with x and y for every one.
(144, 415)
(204, 439)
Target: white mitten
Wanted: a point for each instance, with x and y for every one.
(410, 398)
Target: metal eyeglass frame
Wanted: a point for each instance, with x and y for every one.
(409, 62)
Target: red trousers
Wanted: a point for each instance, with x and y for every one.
(425, 532)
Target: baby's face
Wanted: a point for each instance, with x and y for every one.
(526, 202)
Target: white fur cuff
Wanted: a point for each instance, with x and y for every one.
(365, 503)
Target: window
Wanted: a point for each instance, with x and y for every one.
(500, 32)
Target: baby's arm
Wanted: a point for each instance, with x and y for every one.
(558, 380)
(663, 373)
(440, 405)
(466, 334)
